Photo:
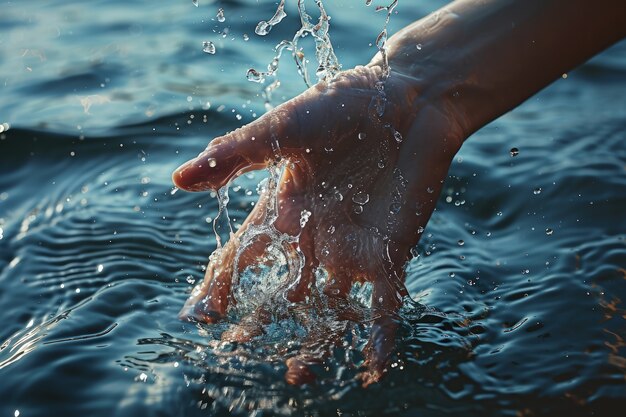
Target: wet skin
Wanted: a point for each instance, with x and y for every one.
(463, 76)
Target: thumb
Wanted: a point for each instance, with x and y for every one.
(248, 148)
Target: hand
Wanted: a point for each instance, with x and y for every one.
(367, 165)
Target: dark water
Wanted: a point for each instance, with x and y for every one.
(525, 318)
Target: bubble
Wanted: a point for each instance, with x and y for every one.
(212, 162)
(208, 47)
(514, 151)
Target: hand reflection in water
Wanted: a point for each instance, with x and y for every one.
(367, 166)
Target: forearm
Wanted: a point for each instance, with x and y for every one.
(486, 57)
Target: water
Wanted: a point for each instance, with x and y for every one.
(97, 254)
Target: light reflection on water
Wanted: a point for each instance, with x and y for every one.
(97, 253)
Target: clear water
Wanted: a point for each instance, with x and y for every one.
(519, 277)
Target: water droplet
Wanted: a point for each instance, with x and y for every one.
(537, 190)
(220, 15)
(255, 76)
(195, 3)
(100, 268)
(381, 164)
(368, 2)
(208, 47)
(362, 135)
(304, 217)
(452, 274)
(143, 377)
(397, 136)
(361, 198)
(394, 208)
(549, 231)
(461, 242)
(331, 229)
(420, 230)
(419, 46)
(514, 151)
(263, 28)
(246, 37)
(212, 162)
(358, 209)
(430, 190)
(16, 413)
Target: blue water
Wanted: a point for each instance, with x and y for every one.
(97, 255)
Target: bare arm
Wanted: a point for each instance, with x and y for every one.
(488, 56)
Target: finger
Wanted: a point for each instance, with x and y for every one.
(315, 350)
(250, 147)
(209, 300)
(387, 296)
(248, 328)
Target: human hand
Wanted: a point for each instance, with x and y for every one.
(367, 165)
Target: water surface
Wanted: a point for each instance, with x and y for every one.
(97, 255)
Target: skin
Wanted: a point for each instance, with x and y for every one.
(477, 60)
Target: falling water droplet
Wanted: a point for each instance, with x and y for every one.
(263, 28)
(514, 151)
(208, 47)
(255, 76)
(549, 231)
(537, 190)
(220, 15)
